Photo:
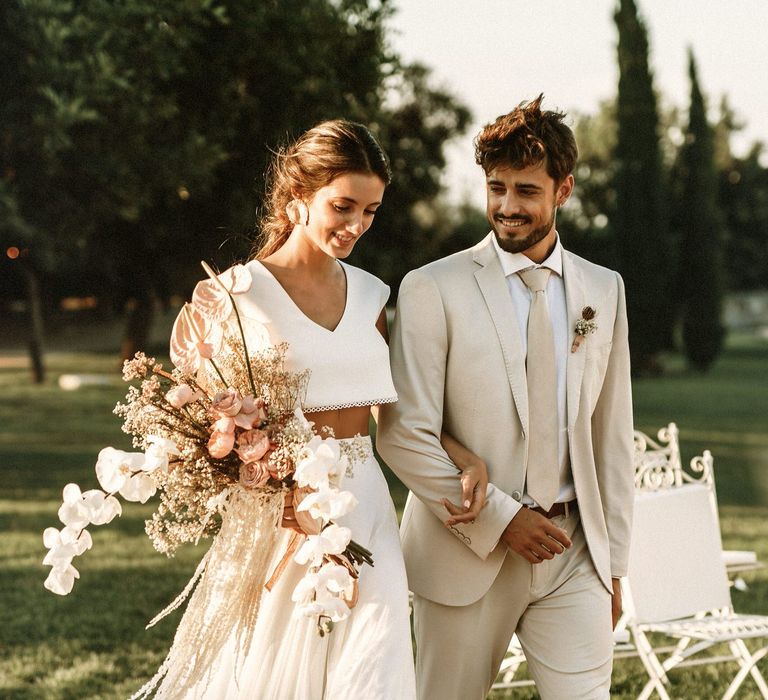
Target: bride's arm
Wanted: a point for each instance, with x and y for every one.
(474, 481)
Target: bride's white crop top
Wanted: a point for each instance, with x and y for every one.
(349, 365)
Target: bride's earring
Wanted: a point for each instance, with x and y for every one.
(298, 212)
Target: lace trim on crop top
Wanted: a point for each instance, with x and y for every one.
(356, 404)
(350, 365)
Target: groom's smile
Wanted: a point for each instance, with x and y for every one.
(521, 206)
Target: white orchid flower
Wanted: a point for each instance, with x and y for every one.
(61, 581)
(73, 512)
(328, 504)
(318, 462)
(335, 608)
(139, 488)
(305, 589)
(157, 454)
(62, 547)
(114, 467)
(311, 609)
(102, 508)
(332, 540)
(336, 579)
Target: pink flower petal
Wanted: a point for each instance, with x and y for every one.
(191, 330)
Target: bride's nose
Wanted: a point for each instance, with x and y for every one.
(356, 227)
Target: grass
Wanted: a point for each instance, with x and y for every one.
(92, 643)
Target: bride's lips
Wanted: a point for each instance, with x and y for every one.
(344, 240)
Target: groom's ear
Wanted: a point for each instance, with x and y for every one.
(564, 191)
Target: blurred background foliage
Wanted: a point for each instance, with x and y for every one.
(134, 137)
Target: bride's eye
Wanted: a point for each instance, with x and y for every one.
(340, 209)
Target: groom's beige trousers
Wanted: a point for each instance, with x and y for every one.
(560, 611)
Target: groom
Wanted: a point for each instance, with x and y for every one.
(518, 349)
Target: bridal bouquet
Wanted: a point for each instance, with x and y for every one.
(222, 439)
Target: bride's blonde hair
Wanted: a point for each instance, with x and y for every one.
(317, 157)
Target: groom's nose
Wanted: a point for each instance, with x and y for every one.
(510, 205)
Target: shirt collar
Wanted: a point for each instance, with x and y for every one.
(512, 263)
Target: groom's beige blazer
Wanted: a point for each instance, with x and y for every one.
(458, 366)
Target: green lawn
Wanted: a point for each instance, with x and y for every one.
(92, 643)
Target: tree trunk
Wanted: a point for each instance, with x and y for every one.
(138, 325)
(35, 343)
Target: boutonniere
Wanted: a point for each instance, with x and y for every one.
(584, 326)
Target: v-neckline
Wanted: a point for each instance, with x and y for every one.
(300, 311)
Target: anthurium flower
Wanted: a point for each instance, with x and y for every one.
(61, 581)
(114, 467)
(194, 338)
(73, 512)
(211, 297)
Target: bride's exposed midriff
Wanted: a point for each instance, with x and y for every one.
(345, 422)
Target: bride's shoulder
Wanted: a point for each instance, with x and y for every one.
(366, 283)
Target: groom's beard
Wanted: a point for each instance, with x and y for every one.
(520, 245)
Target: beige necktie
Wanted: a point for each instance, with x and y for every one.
(542, 473)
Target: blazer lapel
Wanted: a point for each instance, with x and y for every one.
(575, 302)
(493, 286)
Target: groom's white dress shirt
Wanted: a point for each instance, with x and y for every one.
(521, 296)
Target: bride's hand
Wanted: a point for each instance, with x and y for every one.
(289, 514)
(474, 482)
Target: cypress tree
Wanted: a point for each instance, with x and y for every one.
(639, 218)
(700, 271)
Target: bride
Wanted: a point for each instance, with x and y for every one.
(325, 189)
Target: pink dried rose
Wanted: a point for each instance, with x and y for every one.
(252, 412)
(221, 444)
(226, 403)
(252, 445)
(182, 394)
(253, 475)
(224, 425)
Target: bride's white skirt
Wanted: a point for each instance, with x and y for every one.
(366, 657)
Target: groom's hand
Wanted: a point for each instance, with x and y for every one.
(535, 537)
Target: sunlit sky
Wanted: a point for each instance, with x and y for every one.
(495, 53)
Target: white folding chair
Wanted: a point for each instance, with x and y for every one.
(678, 587)
(658, 464)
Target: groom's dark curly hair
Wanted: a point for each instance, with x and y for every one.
(527, 136)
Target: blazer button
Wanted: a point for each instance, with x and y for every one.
(517, 495)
